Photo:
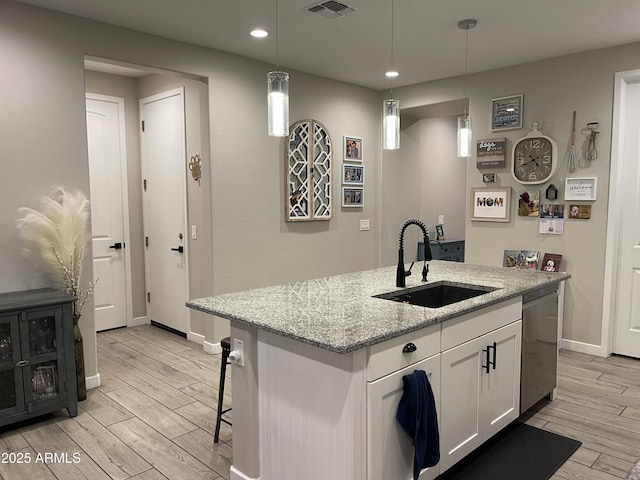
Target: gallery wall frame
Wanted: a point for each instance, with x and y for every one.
(506, 112)
(490, 204)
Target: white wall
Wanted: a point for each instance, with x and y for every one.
(552, 90)
(43, 143)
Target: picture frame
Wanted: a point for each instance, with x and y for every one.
(440, 232)
(581, 188)
(352, 148)
(506, 112)
(551, 262)
(582, 212)
(489, 177)
(352, 174)
(492, 204)
(352, 197)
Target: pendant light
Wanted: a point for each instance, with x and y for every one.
(464, 121)
(278, 95)
(391, 109)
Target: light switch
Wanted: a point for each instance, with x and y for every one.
(365, 225)
(194, 232)
(440, 219)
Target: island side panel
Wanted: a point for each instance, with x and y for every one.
(312, 411)
(244, 381)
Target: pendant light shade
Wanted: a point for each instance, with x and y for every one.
(278, 103)
(464, 136)
(464, 121)
(391, 124)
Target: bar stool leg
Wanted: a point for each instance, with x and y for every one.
(223, 373)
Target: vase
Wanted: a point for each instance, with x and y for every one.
(79, 353)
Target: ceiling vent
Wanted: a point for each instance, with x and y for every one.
(331, 9)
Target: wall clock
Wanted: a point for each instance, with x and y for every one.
(535, 157)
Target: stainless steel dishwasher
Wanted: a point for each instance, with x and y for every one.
(539, 346)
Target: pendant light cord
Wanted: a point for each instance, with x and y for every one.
(392, 35)
(277, 39)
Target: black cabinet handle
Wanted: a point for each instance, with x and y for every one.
(495, 349)
(116, 246)
(488, 352)
(179, 249)
(409, 347)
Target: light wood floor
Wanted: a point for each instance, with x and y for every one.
(154, 416)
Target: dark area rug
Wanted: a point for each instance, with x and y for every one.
(518, 452)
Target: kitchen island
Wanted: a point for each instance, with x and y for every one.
(323, 362)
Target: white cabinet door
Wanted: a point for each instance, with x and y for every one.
(480, 391)
(390, 449)
(501, 387)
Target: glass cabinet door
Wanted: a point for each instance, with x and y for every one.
(10, 378)
(44, 380)
(42, 335)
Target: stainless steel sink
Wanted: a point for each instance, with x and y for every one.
(436, 295)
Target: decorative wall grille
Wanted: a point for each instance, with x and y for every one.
(308, 172)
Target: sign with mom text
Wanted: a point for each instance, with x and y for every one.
(491, 204)
(490, 153)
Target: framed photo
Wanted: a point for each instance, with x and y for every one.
(506, 113)
(352, 196)
(580, 188)
(352, 174)
(491, 204)
(551, 262)
(582, 212)
(489, 177)
(528, 203)
(440, 232)
(353, 149)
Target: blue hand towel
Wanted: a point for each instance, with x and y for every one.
(418, 417)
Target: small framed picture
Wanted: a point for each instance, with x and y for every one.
(582, 212)
(352, 196)
(506, 113)
(353, 149)
(489, 177)
(352, 174)
(580, 188)
(551, 262)
(440, 232)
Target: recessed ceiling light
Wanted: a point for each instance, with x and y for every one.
(392, 73)
(259, 33)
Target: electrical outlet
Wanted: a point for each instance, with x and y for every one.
(365, 226)
(237, 352)
(440, 219)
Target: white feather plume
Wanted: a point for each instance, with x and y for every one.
(55, 238)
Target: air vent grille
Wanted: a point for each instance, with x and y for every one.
(331, 9)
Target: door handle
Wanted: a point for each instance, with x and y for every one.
(495, 349)
(179, 249)
(488, 352)
(116, 246)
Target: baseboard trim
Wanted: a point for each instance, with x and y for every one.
(93, 381)
(235, 474)
(195, 337)
(212, 348)
(137, 321)
(580, 347)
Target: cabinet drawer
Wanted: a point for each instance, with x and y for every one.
(467, 327)
(387, 357)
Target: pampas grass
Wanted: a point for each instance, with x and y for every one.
(55, 239)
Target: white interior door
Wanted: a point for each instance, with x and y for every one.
(107, 174)
(626, 339)
(163, 162)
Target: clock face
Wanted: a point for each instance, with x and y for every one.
(533, 160)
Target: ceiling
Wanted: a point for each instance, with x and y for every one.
(356, 48)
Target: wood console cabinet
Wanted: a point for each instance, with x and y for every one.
(37, 361)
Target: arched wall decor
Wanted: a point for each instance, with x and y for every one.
(308, 172)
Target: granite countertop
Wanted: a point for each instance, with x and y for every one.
(340, 314)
